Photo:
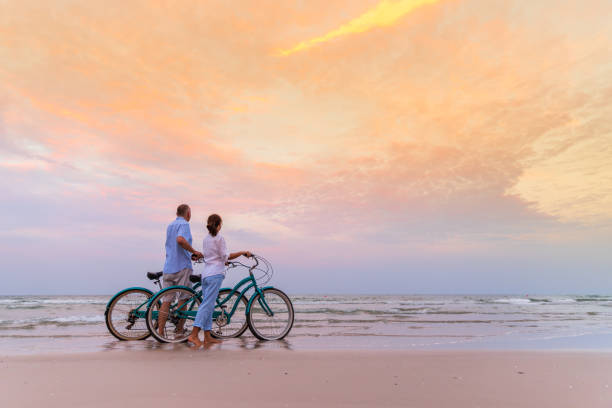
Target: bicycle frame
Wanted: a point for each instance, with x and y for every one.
(190, 314)
(252, 284)
(249, 282)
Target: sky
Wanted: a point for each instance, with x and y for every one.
(408, 146)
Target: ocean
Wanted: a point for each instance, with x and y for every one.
(47, 324)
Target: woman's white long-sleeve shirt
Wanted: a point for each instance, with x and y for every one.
(215, 255)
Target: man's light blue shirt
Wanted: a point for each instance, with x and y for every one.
(177, 258)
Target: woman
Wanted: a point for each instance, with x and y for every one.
(216, 256)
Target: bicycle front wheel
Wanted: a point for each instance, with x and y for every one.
(171, 314)
(271, 315)
(125, 316)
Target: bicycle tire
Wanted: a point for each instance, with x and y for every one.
(108, 315)
(157, 301)
(255, 309)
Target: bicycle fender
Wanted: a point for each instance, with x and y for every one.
(259, 290)
(123, 291)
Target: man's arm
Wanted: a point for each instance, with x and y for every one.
(185, 245)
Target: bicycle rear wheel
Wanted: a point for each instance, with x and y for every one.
(224, 327)
(183, 306)
(125, 316)
(271, 316)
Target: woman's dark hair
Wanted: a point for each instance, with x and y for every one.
(214, 220)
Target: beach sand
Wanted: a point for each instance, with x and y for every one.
(282, 378)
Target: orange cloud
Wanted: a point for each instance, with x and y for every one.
(447, 120)
(386, 13)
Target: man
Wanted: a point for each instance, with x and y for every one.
(177, 267)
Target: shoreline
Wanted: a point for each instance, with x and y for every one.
(185, 348)
(324, 378)
(32, 325)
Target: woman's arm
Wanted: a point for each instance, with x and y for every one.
(223, 250)
(235, 255)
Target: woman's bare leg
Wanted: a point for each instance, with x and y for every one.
(194, 337)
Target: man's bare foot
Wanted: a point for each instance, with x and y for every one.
(195, 340)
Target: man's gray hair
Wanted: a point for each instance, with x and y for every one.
(182, 209)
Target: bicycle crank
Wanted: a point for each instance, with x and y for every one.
(221, 320)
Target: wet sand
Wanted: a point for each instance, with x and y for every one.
(282, 378)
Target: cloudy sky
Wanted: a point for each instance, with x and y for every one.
(409, 146)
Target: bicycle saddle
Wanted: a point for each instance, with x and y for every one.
(154, 275)
(195, 278)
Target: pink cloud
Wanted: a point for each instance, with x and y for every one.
(438, 114)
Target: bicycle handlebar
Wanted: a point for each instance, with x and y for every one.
(234, 264)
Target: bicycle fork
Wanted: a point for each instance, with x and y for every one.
(263, 304)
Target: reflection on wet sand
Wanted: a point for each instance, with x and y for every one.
(254, 343)
(240, 343)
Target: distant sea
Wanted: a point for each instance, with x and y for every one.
(42, 324)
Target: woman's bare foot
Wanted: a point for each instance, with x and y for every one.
(209, 339)
(195, 340)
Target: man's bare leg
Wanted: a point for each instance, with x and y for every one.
(180, 327)
(181, 323)
(162, 317)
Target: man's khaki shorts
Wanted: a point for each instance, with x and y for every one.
(179, 278)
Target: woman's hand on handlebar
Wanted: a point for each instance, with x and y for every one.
(248, 254)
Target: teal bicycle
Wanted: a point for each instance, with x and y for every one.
(125, 312)
(268, 312)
